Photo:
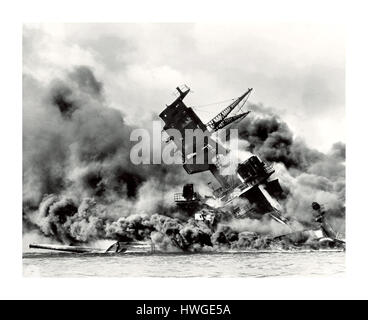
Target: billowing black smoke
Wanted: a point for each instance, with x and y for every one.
(79, 184)
(272, 140)
(75, 147)
(306, 174)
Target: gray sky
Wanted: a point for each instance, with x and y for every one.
(296, 69)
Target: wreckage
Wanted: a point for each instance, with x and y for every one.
(250, 192)
(118, 247)
(252, 180)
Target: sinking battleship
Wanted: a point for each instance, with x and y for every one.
(250, 192)
(252, 180)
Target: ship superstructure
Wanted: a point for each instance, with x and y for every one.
(252, 180)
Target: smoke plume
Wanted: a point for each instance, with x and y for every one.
(306, 174)
(79, 184)
(78, 180)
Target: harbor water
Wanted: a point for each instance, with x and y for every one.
(230, 264)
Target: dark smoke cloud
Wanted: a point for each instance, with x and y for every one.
(73, 141)
(305, 173)
(272, 140)
(79, 184)
(78, 180)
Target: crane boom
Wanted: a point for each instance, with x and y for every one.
(218, 121)
(230, 120)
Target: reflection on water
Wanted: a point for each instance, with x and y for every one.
(184, 265)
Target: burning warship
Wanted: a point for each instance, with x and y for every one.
(252, 180)
(251, 191)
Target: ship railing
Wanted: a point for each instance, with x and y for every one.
(179, 197)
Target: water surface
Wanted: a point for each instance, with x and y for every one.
(259, 264)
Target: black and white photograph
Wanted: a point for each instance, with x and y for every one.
(183, 150)
(183, 159)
